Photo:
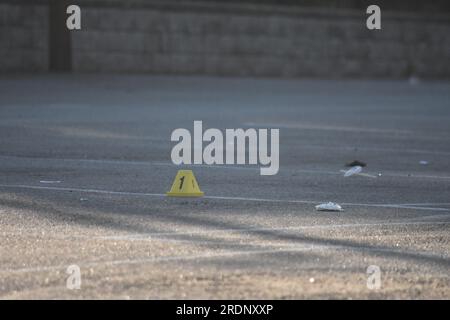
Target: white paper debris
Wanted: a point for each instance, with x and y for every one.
(352, 171)
(49, 181)
(329, 206)
(357, 170)
(423, 162)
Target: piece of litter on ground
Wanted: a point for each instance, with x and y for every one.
(49, 181)
(352, 171)
(356, 163)
(311, 280)
(83, 199)
(329, 206)
(348, 173)
(423, 162)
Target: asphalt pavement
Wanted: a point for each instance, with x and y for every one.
(85, 165)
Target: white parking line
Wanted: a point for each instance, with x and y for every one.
(163, 235)
(157, 235)
(427, 204)
(151, 236)
(376, 205)
(215, 255)
(224, 167)
(124, 193)
(164, 259)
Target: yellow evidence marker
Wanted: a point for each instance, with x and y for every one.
(185, 185)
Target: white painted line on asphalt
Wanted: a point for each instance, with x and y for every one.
(434, 216)
(157, 235)
(419, 176)
(150, 236)
(215, 255)
(128, 162)
(395, 206)
(426, 204)
(375, 205)
(400, 150)
(122, 193)
(227, 167)
(164, 259)
(326, 127)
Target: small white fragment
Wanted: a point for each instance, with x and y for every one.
(83, 199)
(357, 170)
(311, 280)
(329, 206)
(423, 162)
(49, 181)
(352, 171)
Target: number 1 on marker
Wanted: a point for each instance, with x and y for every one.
(181, 182)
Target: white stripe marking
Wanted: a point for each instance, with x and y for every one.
(376, 205)
(163, 235)
(234, 167)
(285, 249)
(156, 235)
(163, 259)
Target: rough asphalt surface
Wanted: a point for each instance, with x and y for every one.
(85, 162)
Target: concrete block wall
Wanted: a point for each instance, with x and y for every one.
(239, 40)
(23, 38)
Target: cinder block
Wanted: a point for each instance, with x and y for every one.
(229, 43)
